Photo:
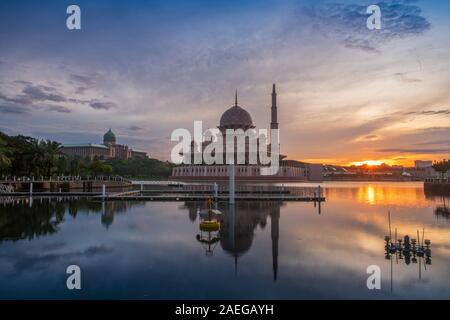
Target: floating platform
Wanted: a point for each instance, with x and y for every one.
(203, 197)
(195, 193)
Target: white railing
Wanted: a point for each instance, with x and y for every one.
(62, 178)
(4, 188)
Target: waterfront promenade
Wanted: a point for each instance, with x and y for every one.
(62, 184)
(125, 190)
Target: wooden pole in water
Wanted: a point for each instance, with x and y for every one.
(390, 232)
(418, 237)
(423, 235)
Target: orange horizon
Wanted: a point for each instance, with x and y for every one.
(403, 161)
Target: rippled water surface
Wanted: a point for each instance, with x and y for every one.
(264, 250)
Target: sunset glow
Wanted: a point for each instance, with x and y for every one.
(367, 162)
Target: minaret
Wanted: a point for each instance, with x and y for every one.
(274, 234)
(274, 119)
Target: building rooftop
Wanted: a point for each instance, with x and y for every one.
(139, 151)
(85, 145)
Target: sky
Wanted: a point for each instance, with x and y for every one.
(144, 68)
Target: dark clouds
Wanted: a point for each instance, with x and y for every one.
(59, 109)
(12, 109)
(34, 95)
(347, 22)
(42, 93)
(95, 104)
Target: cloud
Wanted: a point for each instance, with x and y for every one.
(82, 79)
(421, 151)
(42, 93)
(434, 142)
(33, 94)
(81, 90)
(95, 104)
(12, 109)
(134, 128)
(19, 99)
(437, 129)
(369, 137)
(22, 82)
(430, 112)
(58, 109)
(347, 23)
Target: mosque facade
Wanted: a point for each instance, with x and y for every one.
(108, 150)
(236, 117)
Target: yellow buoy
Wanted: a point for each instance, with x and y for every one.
(209, 225)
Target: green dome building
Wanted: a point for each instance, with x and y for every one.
(109, 138)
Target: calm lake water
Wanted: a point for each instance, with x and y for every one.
(266, 250)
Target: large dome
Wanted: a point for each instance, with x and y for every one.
(236, 118)
(109, 137)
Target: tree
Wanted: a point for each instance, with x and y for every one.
(5, 160)
(442, 167)
(51, 154)
(98, 167)
(34, 157)
(62, 165)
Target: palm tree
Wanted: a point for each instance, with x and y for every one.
(35, 157)
(51, 153)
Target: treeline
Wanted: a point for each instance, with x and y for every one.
(442, 166)
(141, 168)
(26, 156)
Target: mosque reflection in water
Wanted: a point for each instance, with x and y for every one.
(29, 219)
(237, 226)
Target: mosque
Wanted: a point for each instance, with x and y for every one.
(236, 117)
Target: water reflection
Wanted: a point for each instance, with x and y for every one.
(25, 219)
(156, 246)
(409, 194)
(238, 224)
(442, 198)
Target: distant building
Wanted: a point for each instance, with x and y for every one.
(423, 164)
(108, 150)
(236, 118)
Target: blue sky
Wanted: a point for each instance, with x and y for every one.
(144, 68)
